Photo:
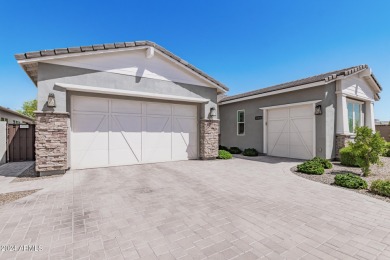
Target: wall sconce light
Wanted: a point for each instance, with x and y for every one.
(318, 110)
(213, 112)
(51, 100)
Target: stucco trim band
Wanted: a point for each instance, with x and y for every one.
(120, 92)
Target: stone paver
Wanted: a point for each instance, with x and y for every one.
(234, 209)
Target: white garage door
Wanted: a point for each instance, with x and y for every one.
(112, 132)
(291, 132)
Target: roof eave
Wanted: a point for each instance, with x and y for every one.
(34, 57)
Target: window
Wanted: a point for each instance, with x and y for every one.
(16, 122)
(354, 115)
(240, 122)
(4, 119)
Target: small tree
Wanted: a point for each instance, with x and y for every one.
(28, 108)
(367, 148)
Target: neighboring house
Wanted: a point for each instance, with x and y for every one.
(302, 119)
(120, 104)
(13, 117)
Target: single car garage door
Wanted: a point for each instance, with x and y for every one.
(291, 132)
(112, 132)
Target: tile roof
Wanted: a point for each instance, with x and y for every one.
(329, 76)
(32, 67)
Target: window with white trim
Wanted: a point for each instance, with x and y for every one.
(241, 122)
(355, 115)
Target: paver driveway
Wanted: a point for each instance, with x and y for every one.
(238, 209)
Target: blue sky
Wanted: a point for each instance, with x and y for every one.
(245, 44)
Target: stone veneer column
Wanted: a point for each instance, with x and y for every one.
(51, 142)
(341, 142)
(209, 131)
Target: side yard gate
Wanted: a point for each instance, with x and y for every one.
(20, 145)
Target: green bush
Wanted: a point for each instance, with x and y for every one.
(235, 150)
(350, 181)
(221, 147)
(381, 187)
(387, 150)
(311, 167)
(347, 157)
(367, 148)
(325, 163)
(222, 154)
(250, 152)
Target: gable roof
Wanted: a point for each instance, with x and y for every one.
(325, 77)
(29, 60)
(15, 113)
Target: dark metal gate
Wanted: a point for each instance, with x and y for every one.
(20, 146)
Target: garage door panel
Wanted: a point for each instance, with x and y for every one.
(89, 104)
(157, 139)
(127, 132)
(90, 158)
(125, 139)
(299, 152)
(280, 150)
(302, 125)
(301, 111)
(292, 136)
(158, 108)
(184, 110)
(280, 113)
(126, 106)
(278, 126)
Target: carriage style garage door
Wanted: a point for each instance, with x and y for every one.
(291, 131)
(111, 132)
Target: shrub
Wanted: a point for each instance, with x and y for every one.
(221, 147)
(311, 167)
(386, 153)
(250, 152)
(381, 187)
(350, 181)
(235, 150)
(347, 157)
(367, 148)
(325, 163)
(222, 154)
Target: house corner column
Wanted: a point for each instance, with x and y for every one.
(209, 132)
(370, 118)
(342, 129)
(51, 143)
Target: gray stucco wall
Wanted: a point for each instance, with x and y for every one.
(253, 138)
(49, 74)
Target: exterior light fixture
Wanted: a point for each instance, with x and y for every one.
(318, 110)
(213, 112)
(51, 100)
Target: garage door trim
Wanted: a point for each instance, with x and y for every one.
(265, 121)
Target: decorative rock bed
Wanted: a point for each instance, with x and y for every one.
(378, 172)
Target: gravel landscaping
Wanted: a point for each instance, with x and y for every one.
(12, 196)
(377, 172)
(31, 175)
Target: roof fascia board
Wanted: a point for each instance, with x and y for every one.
(79, 54)
(120, 92)
(275, 92)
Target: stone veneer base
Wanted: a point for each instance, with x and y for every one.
(51, 142)
(341, 142)
(209, 132)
